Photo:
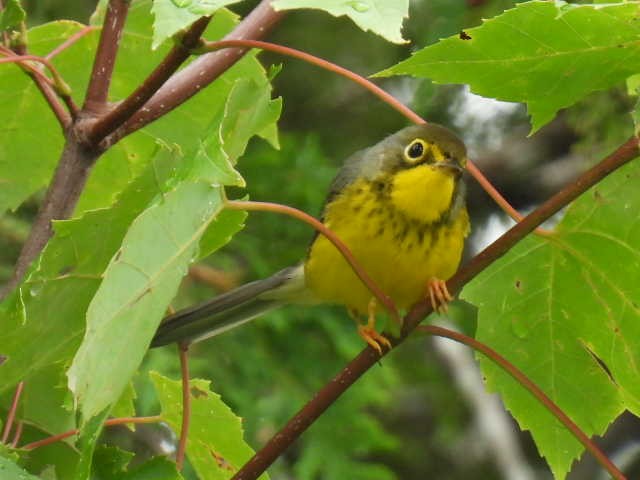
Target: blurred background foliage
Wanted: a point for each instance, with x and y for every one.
(406, 419)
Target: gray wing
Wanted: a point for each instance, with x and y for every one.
(231, 309)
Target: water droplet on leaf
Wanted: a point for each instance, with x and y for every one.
(358, 6)
(520, 327)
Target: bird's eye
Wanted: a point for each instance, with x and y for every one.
(415, 151)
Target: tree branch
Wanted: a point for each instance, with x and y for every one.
(124, 110)
(369, 357)
(105, 59)
(201, 72)
(107, 423)
(375, 90)
(62, 195)
(536, 391)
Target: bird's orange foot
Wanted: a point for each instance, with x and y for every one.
(439, 295)
(373, 338)
(368, 332)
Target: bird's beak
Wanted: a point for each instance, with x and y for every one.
(456, 168)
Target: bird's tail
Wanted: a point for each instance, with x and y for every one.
(231, 309)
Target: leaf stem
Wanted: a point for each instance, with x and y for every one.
(367, 358)
(107, 423)
(11, 415)
(536, 391)
(320, 62)
(70, 41)
(383, 298)
(375, 90)
(47, 87)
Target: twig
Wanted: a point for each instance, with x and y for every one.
(320, 227)
(70, 41)
(57, 84)
(17, 434)
(183, 350)
(105, 59)
(325, 64)
(176, 57)
(107, 423)
(45, 85)
(201, 72)
(523, 380)
(375, 90)
(368, 358)
(12, 412)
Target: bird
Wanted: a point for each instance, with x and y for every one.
(399, 206)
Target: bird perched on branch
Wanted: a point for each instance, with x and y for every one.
(398, 206)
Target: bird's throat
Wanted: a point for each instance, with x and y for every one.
(423, 193)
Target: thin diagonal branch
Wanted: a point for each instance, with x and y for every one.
(362, 274)
(375, 90)
(107, 423)
(201, 72)
(12, 412)
(70, 41)
(176, 57)
(105, 59)
(536, 391)
(44, 84)
(368, 357)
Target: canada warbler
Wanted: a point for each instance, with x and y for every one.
(398, 206)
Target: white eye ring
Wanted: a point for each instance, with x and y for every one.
(415, 151)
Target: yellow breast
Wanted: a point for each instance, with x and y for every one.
(398, 230)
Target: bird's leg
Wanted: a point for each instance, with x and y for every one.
(439, 295)
(368, 332)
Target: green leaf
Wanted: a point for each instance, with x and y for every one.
(247, 111)
(12, 471)
(171, 16)
(546, 54)
(30, 138)
(87, 443)
(38, 147)
(138, 285)
(44, 319)
(11, 15)
(216, 447)
(220, 231)
(566, 310)
(125, 406)
(383, 17)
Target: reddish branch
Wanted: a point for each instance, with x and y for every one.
(105, 59)
(375, 90)
(368, 357)
(12, 412)
(71, 433)
(70, 41)
(44, 84)
(536, 391)
(201, 72)
(382, 297)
